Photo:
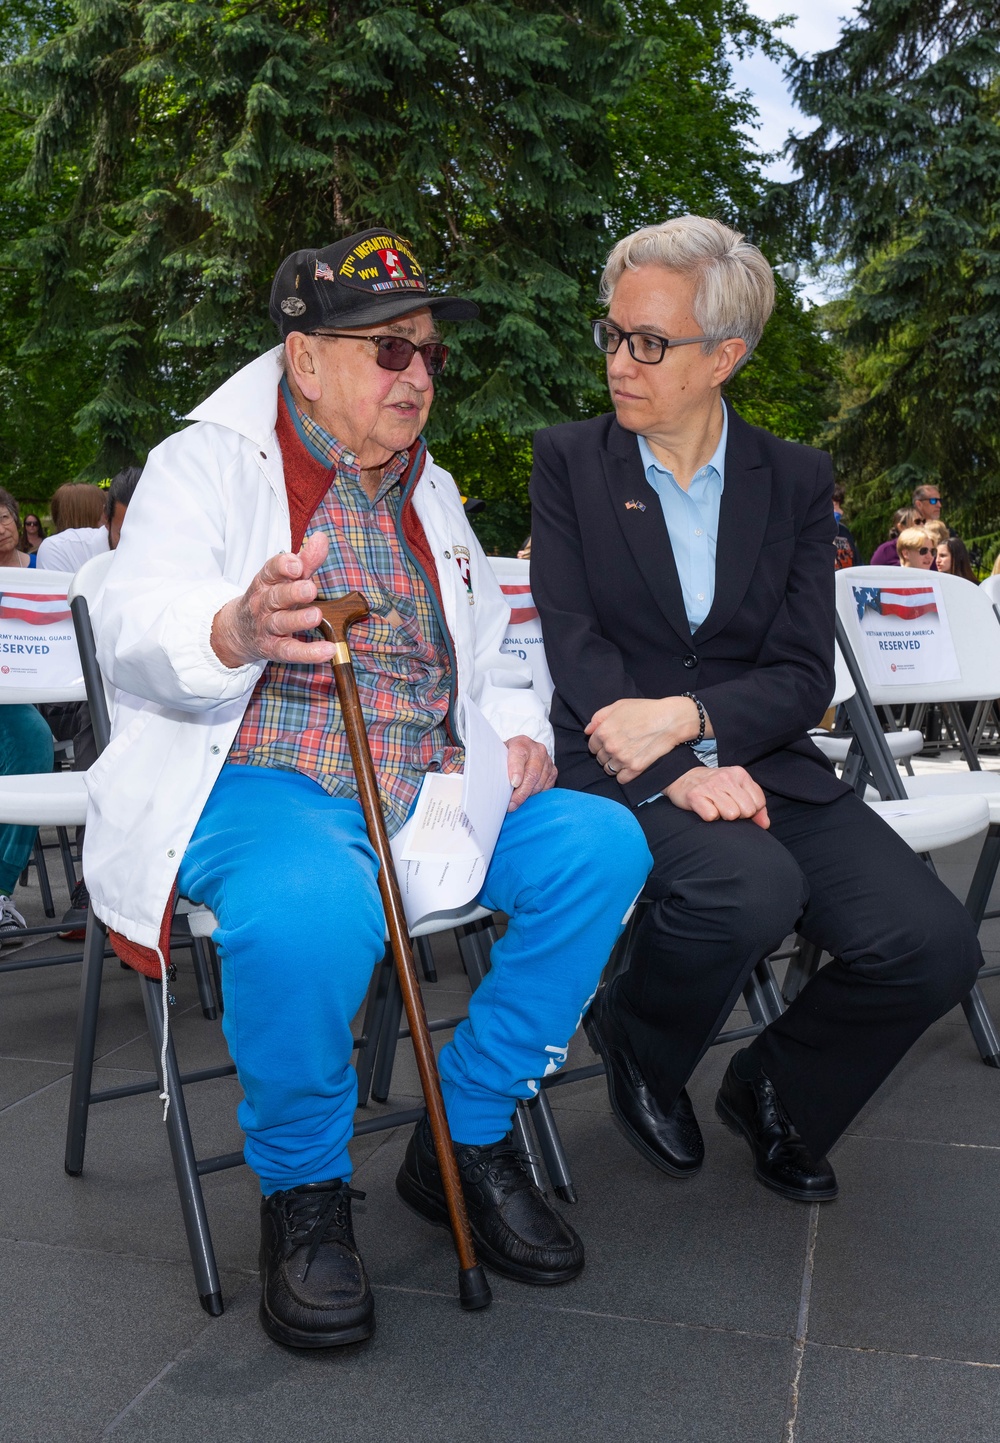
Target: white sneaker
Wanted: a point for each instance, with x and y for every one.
(11, 922)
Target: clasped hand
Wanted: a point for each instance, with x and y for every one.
(633, 733)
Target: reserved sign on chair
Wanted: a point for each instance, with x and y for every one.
(37, 641)
(905, 633)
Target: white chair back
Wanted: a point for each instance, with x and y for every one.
(843, 686)
(920, 636)
(39, 659)
(524, 632)
(991, 590)
(90, 577)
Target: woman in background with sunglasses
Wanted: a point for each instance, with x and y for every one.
(915, 548)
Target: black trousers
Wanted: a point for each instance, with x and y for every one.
(725, 894)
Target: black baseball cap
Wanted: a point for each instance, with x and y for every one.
(365, 280)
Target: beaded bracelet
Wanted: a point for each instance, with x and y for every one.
(702, 719)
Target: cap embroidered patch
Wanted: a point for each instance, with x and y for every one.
(381, 263)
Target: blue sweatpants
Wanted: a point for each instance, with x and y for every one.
(291, 878)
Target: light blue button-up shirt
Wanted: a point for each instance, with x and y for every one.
(692, 519)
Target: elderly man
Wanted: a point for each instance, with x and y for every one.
(682, 568)
(229, 774)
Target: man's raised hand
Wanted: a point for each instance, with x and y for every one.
(261, 624)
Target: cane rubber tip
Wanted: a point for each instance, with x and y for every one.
(473, 1289)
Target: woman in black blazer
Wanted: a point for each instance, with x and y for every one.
(683, 570)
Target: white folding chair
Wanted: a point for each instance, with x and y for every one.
(34, 613)
(975, 633)
(524, 630)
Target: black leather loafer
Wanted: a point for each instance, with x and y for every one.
(781, 1161)
(516, 1230)
(671, 1141)
(316, 1292)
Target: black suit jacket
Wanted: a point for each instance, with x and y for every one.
(604, 581)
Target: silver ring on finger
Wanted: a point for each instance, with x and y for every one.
(611, 771)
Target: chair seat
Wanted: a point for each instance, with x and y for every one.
(958, 784)
(44, 799)
(901, 744)
(927, 823)
(202, 922)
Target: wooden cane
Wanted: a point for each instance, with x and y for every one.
(473, 1289)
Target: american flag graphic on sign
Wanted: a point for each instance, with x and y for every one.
(522, 607)
(906, 602)
(37, 608)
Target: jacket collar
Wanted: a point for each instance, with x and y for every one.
(742, 519)
(248, 402)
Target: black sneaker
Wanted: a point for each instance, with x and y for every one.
(315, 1289)
(12, 924)
(516, 1230)
(76, 918)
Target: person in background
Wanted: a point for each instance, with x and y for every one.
(844, 545)
(32, 534)
(927, 504)
(81, 529)
(954, 559)
(25, 746)
(915, 548)
(10, 532)
(886, 554)
(525, 552)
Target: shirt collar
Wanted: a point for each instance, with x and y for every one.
(333, 454)
(717, 461)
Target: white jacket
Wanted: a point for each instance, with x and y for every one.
(210, 510)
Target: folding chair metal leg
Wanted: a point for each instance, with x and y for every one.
(185, 1164)
(65, 852)
(551, 1148)
(422, 950)
(962, 732)
(44, 886)
(86, 1045)
(388, 1040)
(982, 1026)
(521, 1128)
(984, 876)
(372, 1027)
(801, 968)
(769, 990)
(203, 977)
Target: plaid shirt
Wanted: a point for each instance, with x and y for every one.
(400, 656)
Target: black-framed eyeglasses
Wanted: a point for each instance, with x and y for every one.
(643, 346)
(394, 353)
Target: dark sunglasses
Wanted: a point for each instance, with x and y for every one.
(394, 353)
(923, 551)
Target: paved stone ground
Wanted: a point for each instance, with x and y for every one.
(710, 1311)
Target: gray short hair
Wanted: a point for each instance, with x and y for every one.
(735, 290)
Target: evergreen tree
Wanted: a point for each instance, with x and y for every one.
(901, 185)
(213, 138)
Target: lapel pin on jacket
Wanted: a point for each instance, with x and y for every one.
(635, 505)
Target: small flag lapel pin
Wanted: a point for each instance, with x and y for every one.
(635, 505)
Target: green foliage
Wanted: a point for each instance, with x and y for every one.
(901, 182)
(681, 146)
(213, 138)
(159, 157)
